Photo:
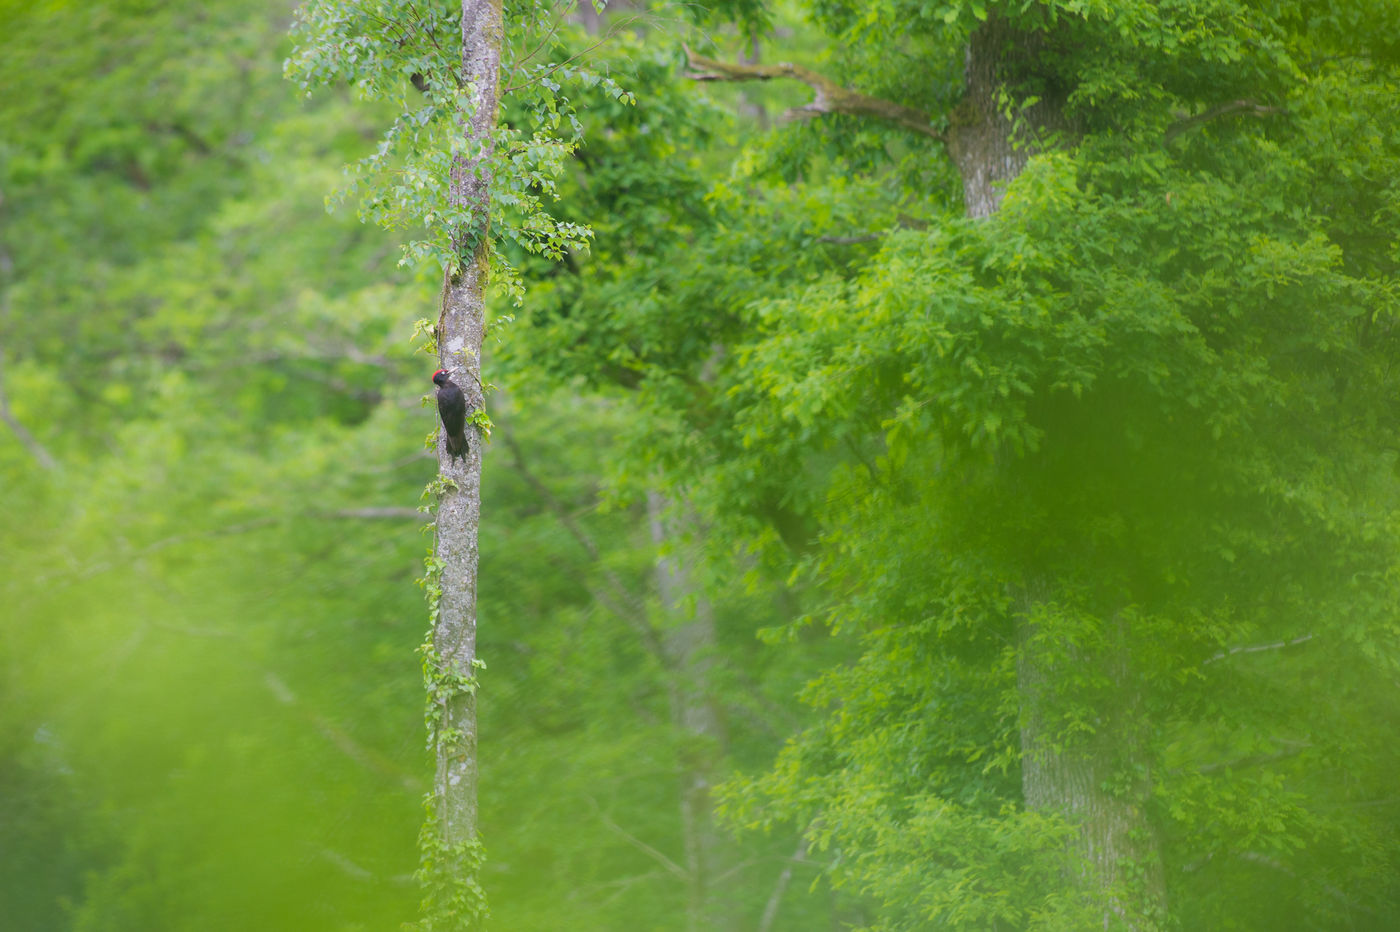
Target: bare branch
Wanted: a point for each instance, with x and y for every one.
(1246, 107)
(775, 899)
(31, 443)
(363, 874)
(1274, 863)
(244, 527)
(337, 736)
(371, 514)
(904, 222)
(828, 96)
(637, 843)
(612, 31)
(620, 600)
(1256, 648)
(432, 36)
(96, 569)
(553, 28)
(1291, 749)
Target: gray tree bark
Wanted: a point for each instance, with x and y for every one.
(459, 334)
(990, 149)
(688, 647)
(1100, 782)
(1117, 864)
(980, 138)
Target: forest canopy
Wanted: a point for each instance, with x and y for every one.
(938, 463)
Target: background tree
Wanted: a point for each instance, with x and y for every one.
(453, 155)
(1109, 470)
(1073, 397)
(1123, 455)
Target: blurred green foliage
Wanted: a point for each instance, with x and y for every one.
(1161, 378)
(210, 712)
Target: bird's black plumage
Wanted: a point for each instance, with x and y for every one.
(452, 408)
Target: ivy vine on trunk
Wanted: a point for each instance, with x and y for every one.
(447, 167)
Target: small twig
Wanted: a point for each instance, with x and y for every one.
(391, 24)
(903, 222)
(624, 602)
(200, 144)
(351, 869)
(671, 866)
(619, 886)
(553, 28)
(375, 513)
(1256, 648)
(156, 546)
(432, 36)
(337, 736)
(240, 528)
(612, 30)
(31, 443)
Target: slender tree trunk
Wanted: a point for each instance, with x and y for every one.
(588, 15)
(1118, 867)
(689, 655)
(459, 334)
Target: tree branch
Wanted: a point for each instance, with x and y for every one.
(337, 736)
(549, 70)
(1256, 648)
(1247, 107)
(244, 527)
(623, 602)
(671, 866)
(851, 240)
(828, 96)
(1292, 749)
(770, 911)
(355, 871)
(156, 546)
(31, 443)
(1274, 863)
(374, 513)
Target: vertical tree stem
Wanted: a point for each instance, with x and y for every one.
(459, 332)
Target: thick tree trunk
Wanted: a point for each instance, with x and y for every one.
(1099, 782)
(981, 136)
(689, 657)
(459, 334)
(1118, 867)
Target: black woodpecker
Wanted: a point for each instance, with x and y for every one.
(452, 408)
